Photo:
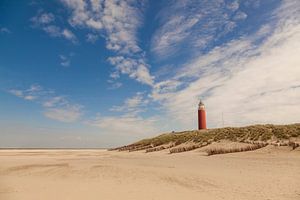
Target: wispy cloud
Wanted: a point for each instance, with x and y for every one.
(4, 30)
(114, 85)
(32, 93)
(65, 114)
(194, 26)
(54, 101)
(55, 107)
(65, 60)
(17, 93)
(125, 125)
(46, 22)
(254, 79)
(129, 120)
(132, 106)
(55, 31)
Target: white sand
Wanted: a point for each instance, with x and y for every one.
(269, 173)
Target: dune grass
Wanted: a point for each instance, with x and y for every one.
(250, 134)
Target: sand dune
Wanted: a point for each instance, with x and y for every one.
(267, 173)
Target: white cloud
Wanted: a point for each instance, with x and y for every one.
(65, 61)
(55, 31)
(17, 93)
(125, 125)
(228, 27)
(65, 114)
(233, 5)
(92, 38)
(4, 30)
(135, 68)
(174, 31)
(45, 22)
(69, 35)
(35, 88)
(30, 97)
(55, 101)
(94, 24)
(128, 122)
(240, 16)
(79, 15)
(29, 94)
(132, 106)
(119, 21)
(252, 3)
(43, 18)
(114, 85)
(56, 107)
(161, 90)
(52, 30)
(247, 81)
(134, 101)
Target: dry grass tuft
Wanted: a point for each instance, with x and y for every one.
(294, 145)
(140, 148)
(187, 148)
(155, 149)
(183, 149)
(234, 150)
(160, 148)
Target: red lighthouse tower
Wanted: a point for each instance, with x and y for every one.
(201, 116)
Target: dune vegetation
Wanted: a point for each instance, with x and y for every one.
(257, 136)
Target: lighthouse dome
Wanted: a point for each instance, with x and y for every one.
(201, 105)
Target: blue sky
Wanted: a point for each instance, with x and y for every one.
(100, 73)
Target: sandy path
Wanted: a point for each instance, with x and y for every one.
(269, 173)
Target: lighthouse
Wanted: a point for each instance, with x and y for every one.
(201, 116)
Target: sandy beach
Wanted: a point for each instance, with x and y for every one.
(267, 173)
